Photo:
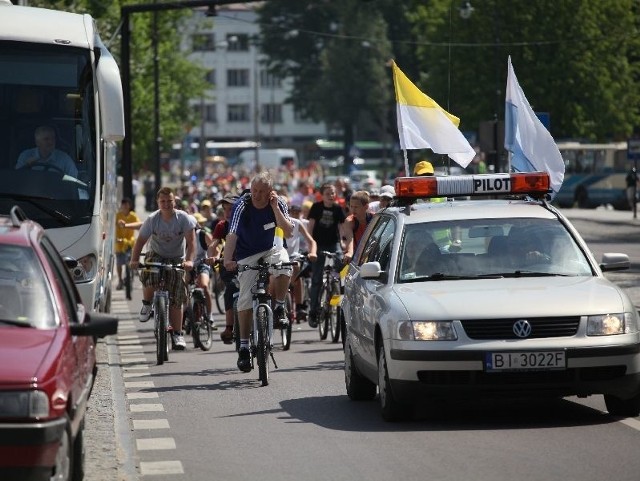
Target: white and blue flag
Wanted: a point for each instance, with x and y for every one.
(531, 145)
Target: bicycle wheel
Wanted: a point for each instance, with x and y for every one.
(236, 325)
(202, 330)
(334, 317)
(262, 346)
(127, 281)
(217, 288)
(323, 312)
(285, 331)
(161, 321)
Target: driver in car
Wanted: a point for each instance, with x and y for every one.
(45, 156)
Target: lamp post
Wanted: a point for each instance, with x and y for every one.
(125, 54)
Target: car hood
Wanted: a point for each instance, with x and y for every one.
(22, 351)
(510, 297)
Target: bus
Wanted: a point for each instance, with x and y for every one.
(594, 175)
(366, 153)
(60, 84)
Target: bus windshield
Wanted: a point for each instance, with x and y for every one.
(47, 127)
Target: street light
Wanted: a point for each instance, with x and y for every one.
(125, 53)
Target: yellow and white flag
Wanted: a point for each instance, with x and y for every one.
(423, 124)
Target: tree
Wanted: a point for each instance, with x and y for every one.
(572, 59)
(336, 53)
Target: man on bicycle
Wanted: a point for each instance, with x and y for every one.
(326, 224)
(201, 273)
(168, 231)
(251, 238)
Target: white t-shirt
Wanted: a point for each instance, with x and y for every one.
(297, 243)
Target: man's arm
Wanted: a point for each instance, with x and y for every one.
(346, 235)
(190, 238)
(229, 251)
(313, 246)
(137, 249)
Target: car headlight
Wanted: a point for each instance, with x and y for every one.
(24, 404)
(86, 269)
(426, 331)
(611, 324)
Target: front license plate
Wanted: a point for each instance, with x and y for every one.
(525, 361)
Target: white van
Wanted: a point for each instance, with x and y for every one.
(270, 159)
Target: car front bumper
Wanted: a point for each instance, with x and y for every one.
(29, 449)
(613, 370)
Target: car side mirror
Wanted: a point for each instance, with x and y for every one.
(95, 324)
(371, 270)
(613, 261)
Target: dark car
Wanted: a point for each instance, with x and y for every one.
(47, 356)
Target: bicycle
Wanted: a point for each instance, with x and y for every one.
(217, 287)
(304, 276)
(330, 296)
(196, 318)
(261, 345)
(160, 308)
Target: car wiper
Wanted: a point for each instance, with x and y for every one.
(533, 274)
(10, 322)
(56, 214)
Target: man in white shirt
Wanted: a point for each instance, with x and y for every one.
(45, 154)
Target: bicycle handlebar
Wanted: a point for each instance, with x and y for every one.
(160, 265)
(266, 266)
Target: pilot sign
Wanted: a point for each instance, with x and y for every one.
(492, 184)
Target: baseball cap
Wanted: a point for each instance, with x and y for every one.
(387, 191)
(423, 168)
(205, 203)
(230, 199)
(200, 218)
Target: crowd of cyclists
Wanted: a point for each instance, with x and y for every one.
(218, 227)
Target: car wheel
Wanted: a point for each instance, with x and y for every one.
(79, 454)
(358, 387)
(623, 407)
(62, 467)
(390, 408)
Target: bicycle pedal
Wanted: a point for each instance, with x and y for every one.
(275, 365)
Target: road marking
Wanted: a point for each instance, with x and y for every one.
(150, 424)
(142, 395)
(151, 444)
(632, 423)
(135, 374)
(136, 368)
(146, 408)
(127, 337)
(134, 348)
(132, 360)
(139, 384)
(161, 467)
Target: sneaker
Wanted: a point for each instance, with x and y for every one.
(145, 312)
(227, 335)
(244, 360)
(280, 318)
(301, 313)
(120, 286)
(178, 341)
(213, 325)
(313, 319)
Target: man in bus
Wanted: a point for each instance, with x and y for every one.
(171, 236)
(45, 154)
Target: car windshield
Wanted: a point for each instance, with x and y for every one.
(481, 248)
(24, 297)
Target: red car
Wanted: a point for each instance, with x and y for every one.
(47, 356)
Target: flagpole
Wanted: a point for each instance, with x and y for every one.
(406, 164)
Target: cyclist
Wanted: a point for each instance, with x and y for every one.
(251, 238)
(300, 241)
(356, 222)
(202, 270)
(170, 233)
(215, 248)
(326, 220)
(125, 236)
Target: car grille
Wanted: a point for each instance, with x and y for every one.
(541, 327)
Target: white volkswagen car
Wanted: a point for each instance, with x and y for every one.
(497, 296)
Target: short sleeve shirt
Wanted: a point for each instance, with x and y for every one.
(327, 220)
(167, 239)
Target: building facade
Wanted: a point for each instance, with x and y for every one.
(244, 102)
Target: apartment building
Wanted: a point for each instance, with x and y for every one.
(244, 102)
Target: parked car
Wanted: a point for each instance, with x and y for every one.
(498, 297)
(47, 356)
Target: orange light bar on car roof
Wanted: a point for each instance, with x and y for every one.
(529, 183)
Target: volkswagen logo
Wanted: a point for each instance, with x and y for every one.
(522, 328)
